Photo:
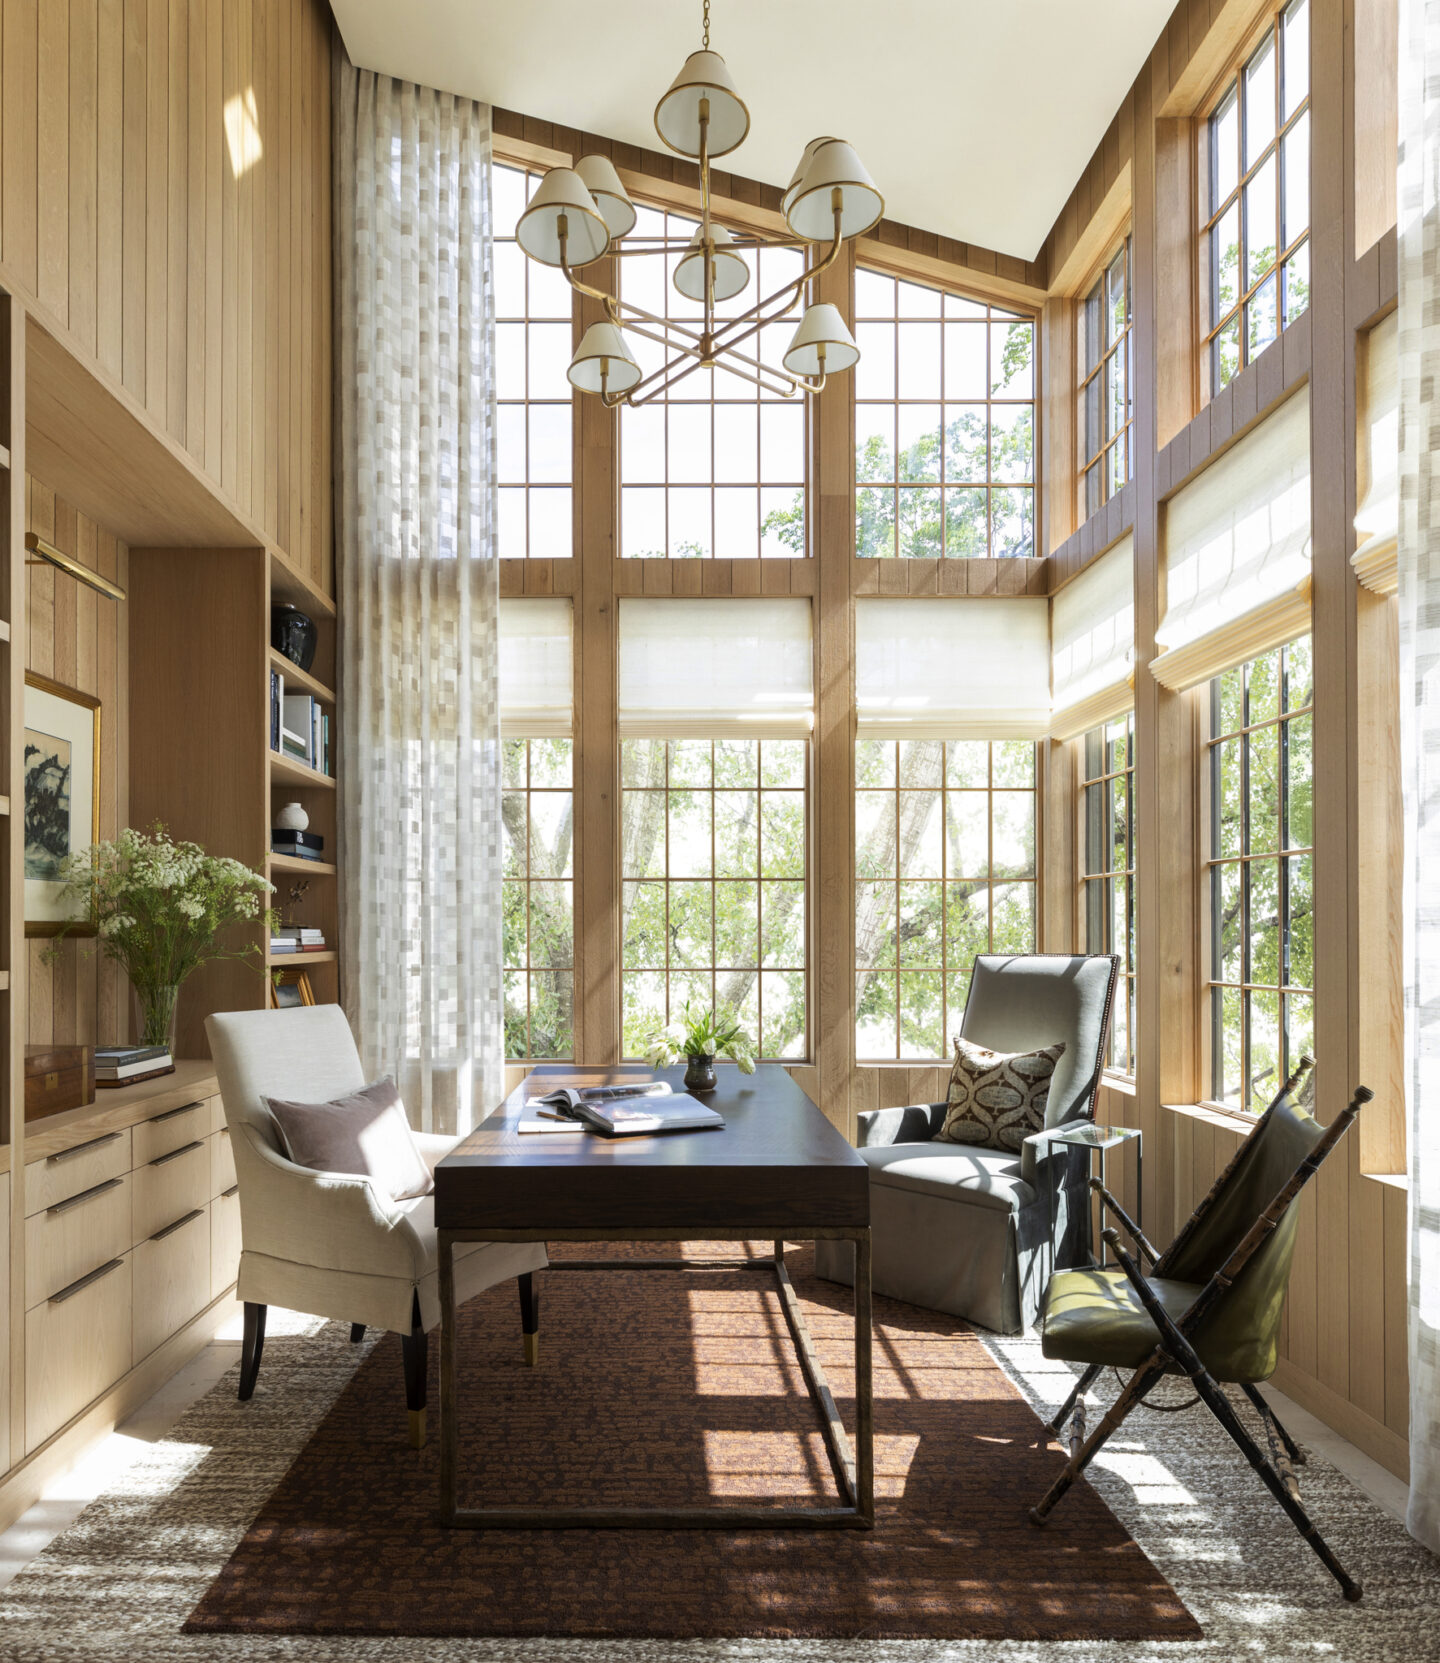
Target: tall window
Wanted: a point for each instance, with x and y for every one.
(945, 869)
(538, 900)
(716, 465)
(1261, 881)
(714, 836)
(1107, 873)
(944, 424)
(1254, 239)
(533, 342)
(1106, 409)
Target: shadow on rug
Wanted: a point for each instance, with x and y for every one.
(658, 1388)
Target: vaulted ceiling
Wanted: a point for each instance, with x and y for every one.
(975, 117)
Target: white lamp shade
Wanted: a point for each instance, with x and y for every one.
(561, 194)
(834, 166)
(731, 272)
(799, 173)
(603, 361)
(677, 115)
(601, 180)
(821, 327)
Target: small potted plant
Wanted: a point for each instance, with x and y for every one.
(700, 1035)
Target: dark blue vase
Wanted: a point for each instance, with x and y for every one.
(293, 635)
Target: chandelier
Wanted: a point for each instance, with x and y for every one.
(582, 214)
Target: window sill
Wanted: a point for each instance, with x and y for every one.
(1214, 1114)
(1391, 1180)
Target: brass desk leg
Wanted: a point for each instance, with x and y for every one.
(449, 1419)
(864, 1385)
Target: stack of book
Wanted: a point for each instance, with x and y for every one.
(125, 1065)
(303, 845)
(296, 938)
(299, 726)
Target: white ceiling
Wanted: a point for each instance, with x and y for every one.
(975, 117)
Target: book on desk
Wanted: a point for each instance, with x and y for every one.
(639, 1110)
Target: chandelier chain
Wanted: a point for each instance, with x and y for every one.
(705, 41)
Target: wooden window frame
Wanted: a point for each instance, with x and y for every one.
(1210, 1013)
(529, 969)
(1088, 879)
(1211, 213)
(1090, 457)
(949, 1015)
(992, 304)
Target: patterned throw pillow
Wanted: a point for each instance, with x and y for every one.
(997, 1098)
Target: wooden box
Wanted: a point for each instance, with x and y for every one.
(58, 1077)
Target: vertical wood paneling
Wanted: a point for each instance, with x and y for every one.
(78, 638)
(206, 295)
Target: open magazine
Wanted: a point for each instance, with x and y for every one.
(629, 1110)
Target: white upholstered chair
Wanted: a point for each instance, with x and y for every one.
(331, 1244)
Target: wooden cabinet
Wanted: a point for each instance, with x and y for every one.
(222, 1163)
(170, 1186)
(171, 1130)
(171, 1279)
(77, 1345)
(81, 1167)
(76, 1235)
(224, 1241)
(4, 1321)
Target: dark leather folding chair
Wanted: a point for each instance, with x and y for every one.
(1208, 1308)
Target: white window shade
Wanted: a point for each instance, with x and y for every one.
(1377, 517)
(1092, 643)
(1237, 553)
(712, 669)
(952, 669)
(536, 674)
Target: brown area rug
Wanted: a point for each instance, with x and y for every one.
(682, 1388)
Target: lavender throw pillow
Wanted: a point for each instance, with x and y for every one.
(365, 1133)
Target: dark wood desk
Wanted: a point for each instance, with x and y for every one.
(778, 1170)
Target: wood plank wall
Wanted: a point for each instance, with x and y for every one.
(80, 639)
(203, 293)
(1344, 1346)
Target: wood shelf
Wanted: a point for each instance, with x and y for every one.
(4, 805)
(4, 630)
(4, 456)
(292, 863)
(277, 960)
(296, 773)
(289, 584)
(303, 681)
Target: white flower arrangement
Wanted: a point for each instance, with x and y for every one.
(702, 1033)
(158, 908)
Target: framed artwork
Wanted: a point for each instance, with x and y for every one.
(289, 988)
(62, 795)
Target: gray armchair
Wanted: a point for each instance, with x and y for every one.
(966, 1230)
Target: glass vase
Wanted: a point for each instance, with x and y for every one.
(155, 1015)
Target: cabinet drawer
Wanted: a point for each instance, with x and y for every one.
(171, 1130)
(77, 1345)
(216, 1106)
(169, 1187)
(74, 1236)
(222, 1163)
(224, 1242)
(172, 1279)
(47, 1181)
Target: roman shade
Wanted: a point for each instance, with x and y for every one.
(956, 668)
(1092, 643)
(1237, 553)
(1377, 515)
(536, 673)
(713, 669)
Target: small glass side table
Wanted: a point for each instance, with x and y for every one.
(1087, 1135)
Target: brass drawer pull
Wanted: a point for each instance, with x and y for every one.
(233, 1190)
(179, 1224)
(84, 1195)
(175, 1154)
(80, 1148)
(170, 1114)
(84, 1282)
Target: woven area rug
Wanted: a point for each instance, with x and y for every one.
(678, 1388)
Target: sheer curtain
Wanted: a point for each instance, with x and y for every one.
(420, 831)
(1419, 580)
